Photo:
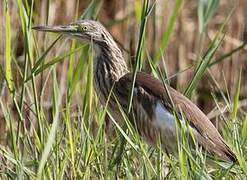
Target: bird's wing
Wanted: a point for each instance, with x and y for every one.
(150, 92)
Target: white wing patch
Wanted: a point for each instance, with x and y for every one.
(166, 122)
(164, 119)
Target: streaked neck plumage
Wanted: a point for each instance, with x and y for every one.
(109, 66)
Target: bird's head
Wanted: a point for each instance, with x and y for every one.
(86, 30)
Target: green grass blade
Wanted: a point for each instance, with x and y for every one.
(8, 69)
(91, 12)
(138, 60)
(207, 58)
(201, 68)
(71, 66)
(42, 57)
(236, 97)
(52, 62)
(138, 10)
(205, 11)
(223, 57)
(244, 129)
(51, 137)
(89, 89)
(167, 33)
(80, 68)
(124, 134)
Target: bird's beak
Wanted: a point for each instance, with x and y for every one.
(57, 29)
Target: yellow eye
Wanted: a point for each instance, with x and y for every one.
(82, 28)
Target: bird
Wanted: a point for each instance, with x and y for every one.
(153, 102)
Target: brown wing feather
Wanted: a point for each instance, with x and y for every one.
(209, 137)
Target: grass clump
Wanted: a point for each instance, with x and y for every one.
(53, 126)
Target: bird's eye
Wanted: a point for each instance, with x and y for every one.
(83, 28)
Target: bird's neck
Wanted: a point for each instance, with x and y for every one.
(109, 67)
(109, 62)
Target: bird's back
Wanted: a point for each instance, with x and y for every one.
(153, 115)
